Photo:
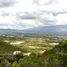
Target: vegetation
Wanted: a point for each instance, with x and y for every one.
(54, 57)
(6, 48)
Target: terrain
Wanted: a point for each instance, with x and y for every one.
(33, 50)
(57, 29)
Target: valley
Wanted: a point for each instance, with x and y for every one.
(34, 49)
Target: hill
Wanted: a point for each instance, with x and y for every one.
(6, 48)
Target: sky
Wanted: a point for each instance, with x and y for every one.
(24, 14)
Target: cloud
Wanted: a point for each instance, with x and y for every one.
(24, 14)
(11, 21)
(50, 12)
(44, 2)
(7, 3)
(61, 12)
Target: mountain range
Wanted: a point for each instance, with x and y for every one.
(56, 28)
(48, 29)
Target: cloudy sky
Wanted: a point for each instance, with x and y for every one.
(23, 14)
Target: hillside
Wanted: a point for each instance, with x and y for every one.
(56, 57)
(6, 48)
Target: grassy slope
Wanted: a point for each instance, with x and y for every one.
(6, 48)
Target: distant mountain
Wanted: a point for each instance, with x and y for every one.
(47, 29)
(56, 28)
(10, 32)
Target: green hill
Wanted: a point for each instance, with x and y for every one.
(6, 48)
